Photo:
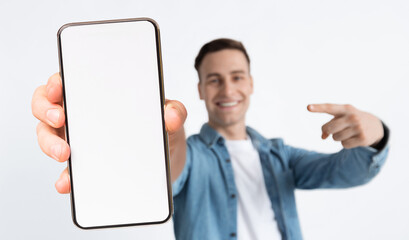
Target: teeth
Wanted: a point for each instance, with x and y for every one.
(228, 104)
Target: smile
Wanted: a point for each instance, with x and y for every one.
(228, 104)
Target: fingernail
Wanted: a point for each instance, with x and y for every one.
(56, 151)
(53, 115)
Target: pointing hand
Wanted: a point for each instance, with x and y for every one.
(350, 126)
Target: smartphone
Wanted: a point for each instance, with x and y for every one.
(114, 105)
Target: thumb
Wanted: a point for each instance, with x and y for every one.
(175, 115)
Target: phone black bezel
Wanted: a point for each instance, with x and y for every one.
(162, 101)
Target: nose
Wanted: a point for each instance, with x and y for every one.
(228, 88)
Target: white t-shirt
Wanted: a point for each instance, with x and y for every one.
(255, 216)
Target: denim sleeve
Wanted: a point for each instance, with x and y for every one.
(180, 182)
(346, 168)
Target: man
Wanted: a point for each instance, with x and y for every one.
(229, 181)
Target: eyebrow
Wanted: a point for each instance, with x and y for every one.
(218, 75)
(237, 71)
(212, 75)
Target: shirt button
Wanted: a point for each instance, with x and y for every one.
(232, 234)
(233, 195)
(228, 160)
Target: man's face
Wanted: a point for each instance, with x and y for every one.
(225, 86)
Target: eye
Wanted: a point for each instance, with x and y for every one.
(213, 81)
(237, 78)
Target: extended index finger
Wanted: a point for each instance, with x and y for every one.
(333, 109)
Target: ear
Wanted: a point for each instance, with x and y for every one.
(251, 84)
(199, 89)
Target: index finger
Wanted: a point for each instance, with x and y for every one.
(46, 104)
(54, 89)
(333, 109)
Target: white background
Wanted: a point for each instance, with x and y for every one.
(301, 51)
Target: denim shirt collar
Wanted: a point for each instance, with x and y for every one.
(211, 137)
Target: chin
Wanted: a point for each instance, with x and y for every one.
(226, 122)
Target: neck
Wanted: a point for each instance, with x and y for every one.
(235, 131)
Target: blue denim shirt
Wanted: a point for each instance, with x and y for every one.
(205, 195)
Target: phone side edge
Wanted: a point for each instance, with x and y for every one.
(61, 66)
(163, 99)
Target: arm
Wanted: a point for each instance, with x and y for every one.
(346, 168)
(360, 133)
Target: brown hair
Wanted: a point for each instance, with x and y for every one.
(218, 45)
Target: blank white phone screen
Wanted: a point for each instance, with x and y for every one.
(114, 122)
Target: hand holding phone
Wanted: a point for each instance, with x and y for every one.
(47, 98)
(46, 106)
